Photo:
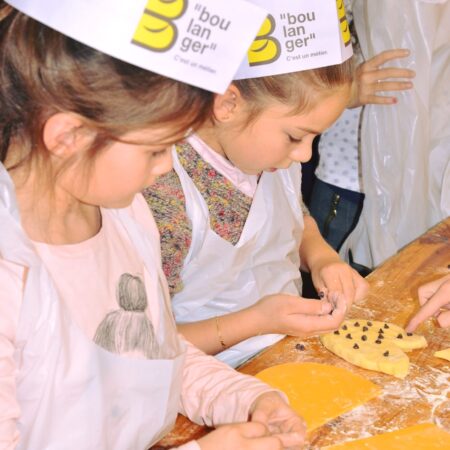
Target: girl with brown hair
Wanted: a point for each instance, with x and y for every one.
(81, 133)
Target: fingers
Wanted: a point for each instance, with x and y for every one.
(439, 299)
(312, 307)
(388, 55)
(444, 319)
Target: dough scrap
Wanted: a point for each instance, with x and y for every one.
(374, 345)
(319, 392)
(445, 354)
(425, 436)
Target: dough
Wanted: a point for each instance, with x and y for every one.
(319, 392)
(445, 354)
(425, 436)
(374, 345)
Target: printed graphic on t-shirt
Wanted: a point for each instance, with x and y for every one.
(128, 331)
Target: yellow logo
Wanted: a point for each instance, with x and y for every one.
(345, 29)
(156, 29)
(265, 49)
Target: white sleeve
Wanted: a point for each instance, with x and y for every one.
(11, 283)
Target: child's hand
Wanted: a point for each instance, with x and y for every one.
(370, 79)
(337, 277)
(242, 436)
(432, 297)
(298, 316)
(281, 420)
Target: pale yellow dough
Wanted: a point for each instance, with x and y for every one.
(374, 345)
(425, 436)
(444, 354)
(319, 392)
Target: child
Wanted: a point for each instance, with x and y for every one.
(233, 232)
(81, 133)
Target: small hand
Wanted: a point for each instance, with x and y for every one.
(337, 277)
(433, 297)
(370, 79)
(298, 316)
(243, 436)
(281, 420)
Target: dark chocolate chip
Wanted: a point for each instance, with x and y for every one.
(348, 336)
(386, 353)
(386, 326)
(356, 324)
(364, 337)
(300, 347)
(365, 329)
(337, 332)
(369, 323)
(381, 331)
(344, 327)
(356, 346)
(377, 341)
(400, 336)
(409, 334)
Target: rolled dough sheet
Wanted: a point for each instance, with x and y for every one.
(445, 354)
(319, 392)
(425, 436)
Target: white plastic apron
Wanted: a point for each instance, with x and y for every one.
(220, 277)
(72, 393)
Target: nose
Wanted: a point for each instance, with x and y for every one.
(302, 153)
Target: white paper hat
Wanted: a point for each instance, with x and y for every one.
(199, 42)
(298, 35)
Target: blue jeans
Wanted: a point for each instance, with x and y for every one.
(335, 210)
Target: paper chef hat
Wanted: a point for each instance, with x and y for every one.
(298, 35)
(200, 42)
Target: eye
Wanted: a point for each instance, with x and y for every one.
(158, 153)
(294, 140)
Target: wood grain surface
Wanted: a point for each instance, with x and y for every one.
(423, 396)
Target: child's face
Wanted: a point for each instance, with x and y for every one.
(277, 138)
(124, 169)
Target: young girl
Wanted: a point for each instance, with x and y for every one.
(80, 134)
(233, 232)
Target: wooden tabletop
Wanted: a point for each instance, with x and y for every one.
(423, 396)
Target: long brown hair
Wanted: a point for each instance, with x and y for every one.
(43, 72)
(297, 89)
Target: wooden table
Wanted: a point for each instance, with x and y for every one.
(423, 396)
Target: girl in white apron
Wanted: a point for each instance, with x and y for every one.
(89, 353)
(233, 232)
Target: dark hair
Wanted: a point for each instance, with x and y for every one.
(43, 72)
(299, 89)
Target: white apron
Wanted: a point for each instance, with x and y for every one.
(72, 393)
(219, 277)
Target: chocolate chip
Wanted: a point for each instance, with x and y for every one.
(386, 353)
(369, 323)
(377, 341)
(386, 326)
(365, 329)
(356, 324)
(380, 336)
(409, 334)
(344, 327)
(381, 331)
(348, 336)
(337, 332)
(356, 346)
(400, 336)
(300, 347)
(364, 337)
